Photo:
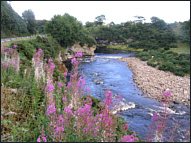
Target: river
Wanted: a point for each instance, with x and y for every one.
(105, 70)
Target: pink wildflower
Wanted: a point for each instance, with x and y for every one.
(15, 46)
(45, 59)
(68, 110)
(50, 60)
(78, 54)
(166, 94)
(60, 84)
(51, 109)
(69, 84)
(125, 126)
(65, 90)
(64, 99)
(155, 116)
(49, 87)
(73, 61)
(38, 140)
(87, 89)
(65, 74)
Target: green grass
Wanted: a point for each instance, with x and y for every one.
(182, 48)
(125, 48)
(9, 42)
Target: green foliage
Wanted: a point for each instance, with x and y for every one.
(65, 29)
(29, 17)
(144, 58)
(95, 103)
(11, 22)
(99, 20)
(168, 66)
(151, 64)
(166, 48)
(40, 26)
(167, 61)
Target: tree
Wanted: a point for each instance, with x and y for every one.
(89, 24)
(11, 22)
(29, 18)
(99, 20)
(67, 30)
(140, 19)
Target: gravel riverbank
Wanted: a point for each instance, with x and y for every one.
(154, 82)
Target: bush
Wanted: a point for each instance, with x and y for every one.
(180, 73)
(169, 52)
(144, 58)
(168, 66)
(184, 56)
(151, 64)
(173, 46)
(145, 50)
(162, 51)
(166, 48)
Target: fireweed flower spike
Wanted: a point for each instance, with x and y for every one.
(60, 84)
(78, 54)
(65, 74)
(73, 61)
(166, 94)
(155, 116)
(50, 60)
(15, 46)
(51, 109)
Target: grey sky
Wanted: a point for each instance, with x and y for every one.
(116, 11)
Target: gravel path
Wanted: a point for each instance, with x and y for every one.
(154, 82)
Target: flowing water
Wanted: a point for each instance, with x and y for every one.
(105, 70)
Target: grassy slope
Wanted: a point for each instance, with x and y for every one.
(125, 48)
(182, 47)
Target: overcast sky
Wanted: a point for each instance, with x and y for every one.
(116, 11)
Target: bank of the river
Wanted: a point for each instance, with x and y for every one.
(125, 48)
(154, 82)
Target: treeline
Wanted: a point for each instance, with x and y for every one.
(11, 22)
(14, 25)
(147, 36)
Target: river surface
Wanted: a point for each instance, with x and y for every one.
(105, 70)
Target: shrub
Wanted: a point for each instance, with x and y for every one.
(145, 50)
(169, 52)
(144, 58)
(173, 46)
(151, 64)
(162, 51)
(184, 56)
(180, 73)
(166, 48)
(168, 66)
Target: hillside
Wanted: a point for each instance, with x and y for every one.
(11, 23)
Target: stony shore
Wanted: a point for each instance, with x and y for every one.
(154, 82)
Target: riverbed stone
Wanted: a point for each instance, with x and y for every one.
(154, 82)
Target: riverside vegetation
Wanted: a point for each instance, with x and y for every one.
(38, 105)
(43, 108)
